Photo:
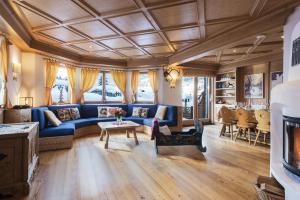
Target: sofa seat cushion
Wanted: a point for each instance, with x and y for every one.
(62, 130)
(95, 120)
(138, 120)
(148, 122)
(80, 122)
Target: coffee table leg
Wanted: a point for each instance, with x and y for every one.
(135, 138)
(101, 135)
(127, 133)
(107, 138)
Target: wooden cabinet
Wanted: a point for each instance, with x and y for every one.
(18, 158)
(17, 115)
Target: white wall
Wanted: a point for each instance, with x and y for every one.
(13, 86)
(291, 32)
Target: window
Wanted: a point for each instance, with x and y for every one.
(112, 92)
(61, 90)
(145, 92)
(188, 97)
(110, 89)
(1, 88)
(96, 92)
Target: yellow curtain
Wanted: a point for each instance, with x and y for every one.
(72, 80)
(134, 84)
(87, 80)
(120, 78)
(4, 64)
(51, 72)
(153, 82)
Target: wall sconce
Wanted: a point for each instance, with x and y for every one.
(26, 101)
(172, 74)
(16, 70)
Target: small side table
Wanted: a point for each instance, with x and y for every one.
(17, 115)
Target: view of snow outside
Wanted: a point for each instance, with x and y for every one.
(112, 91)
(187, 91)
(95, 93)
(61, 90)
(145, 92)
(1, 90)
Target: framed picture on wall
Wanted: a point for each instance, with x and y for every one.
(276, 78)
(254, 86)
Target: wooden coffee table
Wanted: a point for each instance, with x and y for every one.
(127, 126)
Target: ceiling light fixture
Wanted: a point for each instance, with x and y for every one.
(172, 74)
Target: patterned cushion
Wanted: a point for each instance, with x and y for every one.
(111, 111)
(165, 130)
(144, 112)
(136, 111)
(63, 114)
(74, 112)
(161, 112)
(102, 111)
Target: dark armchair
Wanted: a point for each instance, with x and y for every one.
(190, 137)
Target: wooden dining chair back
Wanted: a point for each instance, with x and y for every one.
(227, 118)
(263, 126)
(243, 124)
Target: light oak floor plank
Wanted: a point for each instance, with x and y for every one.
(228, 170)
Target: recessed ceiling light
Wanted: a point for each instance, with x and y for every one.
(282, 37)
(91, 46)
(234, 50)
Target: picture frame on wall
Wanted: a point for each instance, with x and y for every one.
(276, 78)
(254, 86)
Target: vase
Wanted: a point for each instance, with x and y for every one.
(119, 120)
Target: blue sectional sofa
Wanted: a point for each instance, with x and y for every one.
(62, 136)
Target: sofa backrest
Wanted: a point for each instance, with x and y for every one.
(171, 112)
(90, 110)
(37, 115)
(152, 109)
(53, 108)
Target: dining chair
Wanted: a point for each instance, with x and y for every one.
(263, 126)
(227, 119)
(243, 124)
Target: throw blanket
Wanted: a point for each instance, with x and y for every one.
(154, 128)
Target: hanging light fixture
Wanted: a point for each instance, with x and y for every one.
(172, 74)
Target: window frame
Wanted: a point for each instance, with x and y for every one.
(103, 101)
(65, 102)
(136, 95)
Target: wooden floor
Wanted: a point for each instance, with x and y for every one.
(227, 170)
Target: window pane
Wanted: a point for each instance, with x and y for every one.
(202, 97)
(96, 92)
(61, 90)
(188, 97)
(145, 92)
(1, 89)
(112, 92)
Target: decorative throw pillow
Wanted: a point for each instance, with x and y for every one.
(64, 114)
(136, 111)
(165, 130)
(144, 112)
(74, 112)
(111, 111)
(102, 111)
(52, 118)
(161, 112)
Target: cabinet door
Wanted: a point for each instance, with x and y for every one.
(10, 161)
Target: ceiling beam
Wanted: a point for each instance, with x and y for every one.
(232, 37)
(137, 63)
(154, 23)
(201, 18)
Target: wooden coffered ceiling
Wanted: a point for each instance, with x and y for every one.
(147, 29)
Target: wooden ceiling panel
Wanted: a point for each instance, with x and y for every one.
(111, 5)
(116, 43)
(94, 29)
(182, 45)
(177, 15)
(61, 9)
(218, 9)
(148, 39)
(158, 49)
(35, 20)
(184, 34)
(131, 23)
(208, 59)
(62, 34)
(131, 52)
(109, 54)
(89, 46)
